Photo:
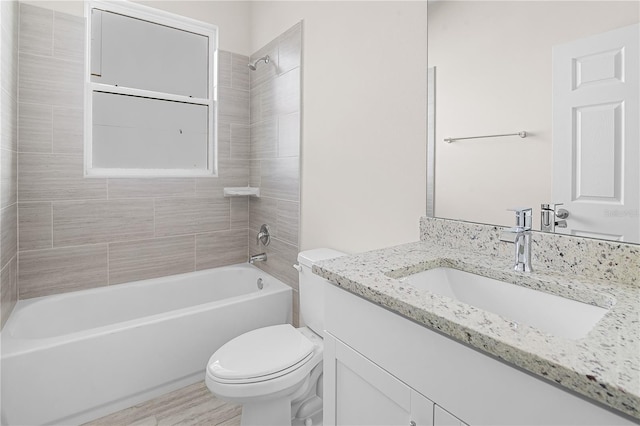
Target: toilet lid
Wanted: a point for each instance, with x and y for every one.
(260, 352)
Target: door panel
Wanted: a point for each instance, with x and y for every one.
(596, 134)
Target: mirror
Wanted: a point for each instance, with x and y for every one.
(494, 74)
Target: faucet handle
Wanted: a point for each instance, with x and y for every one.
(561, 213)
(524, 217)
(263, 235)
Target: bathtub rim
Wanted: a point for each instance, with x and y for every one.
(15, 346)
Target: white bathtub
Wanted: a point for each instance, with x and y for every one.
(71, 358)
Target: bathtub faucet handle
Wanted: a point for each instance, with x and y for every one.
(263, 236)
(297, 267)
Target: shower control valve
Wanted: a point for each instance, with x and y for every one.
(263, 236)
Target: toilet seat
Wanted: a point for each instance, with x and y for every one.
(260, 355)
(271, 386)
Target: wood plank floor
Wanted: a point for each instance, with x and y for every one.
(192, 405)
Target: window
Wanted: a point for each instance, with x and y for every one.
(150, 93)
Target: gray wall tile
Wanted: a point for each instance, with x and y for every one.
(179, 216)
(289, 135)
(8, 121)
(52, 81)
(60, 270)
(68, 130)
(91, 222)
(35, 224)
(288, 221)
(296, 308)
(265, 72)
(151, 187)
(290, 48)
(8, 289)
(239, 212)
(262, 210)
(221, 248)
(50, 69)
(275, 98)
(8, 177)
(139, 260)
(36, 30)
(48, 92)
(240, 141)
(45, 177)
(264, 103)
(234, 105)
(255, 104)
(58, 206)
(9, 48)
(224, 68)
(254, 170)
(264, 139)
(234, 172)
(8, 233)
(35, 123)
(210, 186)
(231, 173)
(9, 39)
(224, 140)
(240, 78)
(280, 178)
(280, 257)
(286, 93)
(68, 36)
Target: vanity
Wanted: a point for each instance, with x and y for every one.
(398, 352)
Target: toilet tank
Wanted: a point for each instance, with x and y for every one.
(311, 289)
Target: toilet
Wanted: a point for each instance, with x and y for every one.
(276, 372)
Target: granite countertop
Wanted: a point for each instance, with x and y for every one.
(604, 365)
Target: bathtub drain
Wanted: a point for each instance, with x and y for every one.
(259, 283)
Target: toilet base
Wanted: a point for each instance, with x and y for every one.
(275, 412)
(302, 407)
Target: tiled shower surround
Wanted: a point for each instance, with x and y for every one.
(77, 233)
(275, 155)
(8, 159)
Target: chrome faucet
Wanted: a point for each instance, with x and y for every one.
(522, 241)
(263, 236)
(548, 215)
(261, 257)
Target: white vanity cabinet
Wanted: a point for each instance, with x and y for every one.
(444, 418)
(364, 394)
(383, 369)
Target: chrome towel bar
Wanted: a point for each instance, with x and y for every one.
(522, 134)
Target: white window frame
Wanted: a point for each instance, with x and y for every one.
(161, 17)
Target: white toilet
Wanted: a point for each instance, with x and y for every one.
(276, 372)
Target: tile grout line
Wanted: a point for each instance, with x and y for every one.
(108, 264)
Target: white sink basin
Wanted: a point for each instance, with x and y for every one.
(550, 313)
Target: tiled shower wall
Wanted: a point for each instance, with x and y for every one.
(77, 232)
(8, 158)
(275, 155)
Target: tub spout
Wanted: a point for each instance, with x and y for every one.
(262, 257)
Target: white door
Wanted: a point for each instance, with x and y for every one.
(596, 134)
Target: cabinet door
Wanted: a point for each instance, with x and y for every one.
(444, 418)
(368, 395)
(421, 409)
(358, 392)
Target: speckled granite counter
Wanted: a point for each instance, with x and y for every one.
(604, 366)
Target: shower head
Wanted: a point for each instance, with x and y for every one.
(253, 66)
